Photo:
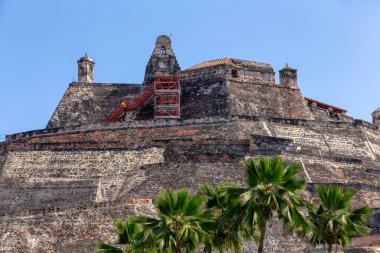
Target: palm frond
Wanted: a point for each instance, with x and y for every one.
(334, 221)
(106, 248)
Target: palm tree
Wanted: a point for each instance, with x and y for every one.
(335, 222)
(128, 232)
(223, 234)
(273, 190)
(178, 227)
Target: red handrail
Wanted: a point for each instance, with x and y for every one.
(163, 83)
(132, 104)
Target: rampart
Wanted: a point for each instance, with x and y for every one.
(126, 162)
(61, 187)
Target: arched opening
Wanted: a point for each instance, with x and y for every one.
(234, 73)
(163, 51)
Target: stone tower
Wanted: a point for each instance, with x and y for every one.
(85, 70)
(376, 117)
(162, 60)
(288, 77)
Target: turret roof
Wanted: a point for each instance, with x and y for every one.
(231, 61)
(86, 58)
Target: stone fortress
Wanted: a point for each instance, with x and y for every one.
(109, 148)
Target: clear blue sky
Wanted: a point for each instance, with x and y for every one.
(334, 44)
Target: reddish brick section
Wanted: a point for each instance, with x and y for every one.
(367, 241)
(140, 202)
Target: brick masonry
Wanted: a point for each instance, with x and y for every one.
(126, 164)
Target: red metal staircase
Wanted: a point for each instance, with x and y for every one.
(166, 91)
(133, 104)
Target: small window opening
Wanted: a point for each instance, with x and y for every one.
(163, 51)
(234, 73)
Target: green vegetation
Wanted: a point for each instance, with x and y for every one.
(179, 224)
(223, 217)
(128, 232)
(224, 228)
(272, 190)
(335, 223)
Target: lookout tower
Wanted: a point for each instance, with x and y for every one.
(376, 117)
(288, 77)
(162, 61)
(161, 85)
(85, 70)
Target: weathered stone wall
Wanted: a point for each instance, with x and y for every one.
(189, 175)
(134, 136)
(90, 103)
(344, 139)
(118, 163)
(2, 156)
(77, 230)
(108, 166)
(326, 115)
(204, 93)
(23, 195)
(204, 98)
(343, 142)
(215, 91)
(373, 139)
(68, 230)
(241, 70)
(266, 100)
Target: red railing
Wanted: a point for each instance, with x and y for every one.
(167, 83)
(133, 104)
(166, 91)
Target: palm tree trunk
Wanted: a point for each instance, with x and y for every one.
(262, 237)
(330, 249)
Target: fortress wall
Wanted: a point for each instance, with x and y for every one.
(339, 139)
(2, 161)
(113, 168)
(2, 155)
(210, 72)
(322, 114)
(131, 137)
(320, 170)
(146, 111)
(189, 175)
(18, 196)
(115, 126)
(373, 138)
(78, 230)
(204, 98)
(329, 170)
(325, 170)
(108, 166)
(266, 100)
(204, 93)
(248, 127)
(20, 162)
(348, 142)
(187, 163)
(345, 139)
(300, 135)
(71, 230)
(319, 113)
(207, 151)
(89, 103)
